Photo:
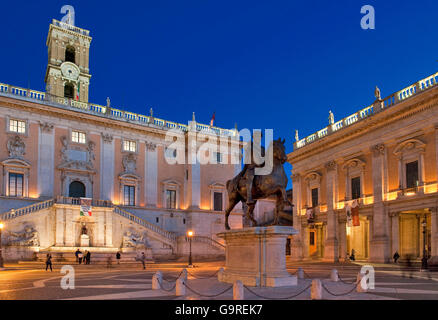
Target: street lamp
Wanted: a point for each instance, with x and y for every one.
(424, 260)
(1, 255)
(190, 235)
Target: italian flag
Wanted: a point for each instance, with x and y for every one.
(77, 92)
(85, 207)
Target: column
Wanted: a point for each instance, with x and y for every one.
(196, 185)
(108, 227)
(107, 167)
(379, 246)
(60, 227)
(151, 176)
(395, 232)
(331, 250)
(69, 229)
(342, 240)
(296, 242)
(99, 235)
(46, 160)
(305, 239)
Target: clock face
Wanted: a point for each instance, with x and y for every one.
(70, 70)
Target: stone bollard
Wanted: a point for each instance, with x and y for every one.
(180, 287)
(334, 275)
(316, 290)
(238, 290)
(359, 287)
(220, 274)
(300, 273)
(157, 278)
(184, 274)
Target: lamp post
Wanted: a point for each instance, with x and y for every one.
(1, 254)
(190, 235)
(424, 260)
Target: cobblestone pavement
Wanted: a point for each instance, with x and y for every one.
(122, 282)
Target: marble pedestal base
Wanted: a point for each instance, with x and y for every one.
(257, 256)
(85, 240)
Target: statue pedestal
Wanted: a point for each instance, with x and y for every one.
(257, 256)
(85, 240)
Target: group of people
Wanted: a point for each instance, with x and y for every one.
(85, 257)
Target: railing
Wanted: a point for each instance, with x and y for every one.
(166, 234)
(66, 26)
(77, 201)
(416, 88)
(113, 113)
(207, 240)
(15, 213)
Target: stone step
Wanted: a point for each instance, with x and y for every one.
(95, 257)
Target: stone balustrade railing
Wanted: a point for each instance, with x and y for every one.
(166, 234)
(204, 239)
(112, 113)
(15, 213)
(67, 26)
(378, 106)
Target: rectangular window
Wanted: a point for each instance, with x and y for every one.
(314, 197)
(129, 195)
(16, 184)
(171, 199)
(17, 126)
(78, 137)
(217, 201)
(312, 238)
(218, 157)
(355, 188)
(412, 174)
(129, 145)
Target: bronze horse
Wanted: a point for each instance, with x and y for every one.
(263, 186)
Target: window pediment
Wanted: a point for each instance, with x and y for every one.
(410, 146)
(313, 177)
(216, 185)
(20, 163)
(171, 182)
(354, 163)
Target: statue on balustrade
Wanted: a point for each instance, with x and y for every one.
(29, 237)
(331, 117)
(251, 185)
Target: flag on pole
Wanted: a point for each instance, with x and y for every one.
(349, 217)
(77, 92)
(85, 207)
(212, 119)
(355, 213)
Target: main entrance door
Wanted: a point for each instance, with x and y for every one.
(76, 190)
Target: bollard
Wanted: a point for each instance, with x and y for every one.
(157, 278)
(361, 283)
(180, 287)
(220, 274)
(316, 290)
(334, 275)
(300, 273)
(238, 290)
(184, 274)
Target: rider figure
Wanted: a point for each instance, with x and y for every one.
(258, 153)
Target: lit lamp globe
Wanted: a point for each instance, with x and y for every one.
(190, 235)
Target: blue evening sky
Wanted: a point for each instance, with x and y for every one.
(262, 64)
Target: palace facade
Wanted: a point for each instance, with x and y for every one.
(57, 148)
(368, 182)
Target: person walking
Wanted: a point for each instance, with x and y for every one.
(80, 256)
(88, 257)
(109, 262)
(143, 259)
(49, 262)
(77, 255)
(396, 257)
(118, 256)
(353, 255)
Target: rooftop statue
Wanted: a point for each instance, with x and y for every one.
(377, 93)
(247, 187)
(331, 117)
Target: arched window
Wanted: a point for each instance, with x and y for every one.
(70, 54)
(69, 90)
(76, 190)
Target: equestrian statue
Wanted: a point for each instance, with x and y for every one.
(249, 187)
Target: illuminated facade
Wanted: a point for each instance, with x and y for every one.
(57, 147)
(385, 157)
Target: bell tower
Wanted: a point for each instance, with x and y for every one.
(68, 75)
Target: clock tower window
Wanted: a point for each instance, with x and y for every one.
(69, 90)
(70, 54)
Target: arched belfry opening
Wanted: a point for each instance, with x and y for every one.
(69, 90)
(76, 190)
(70, 54)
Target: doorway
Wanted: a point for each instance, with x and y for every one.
(76, 190)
